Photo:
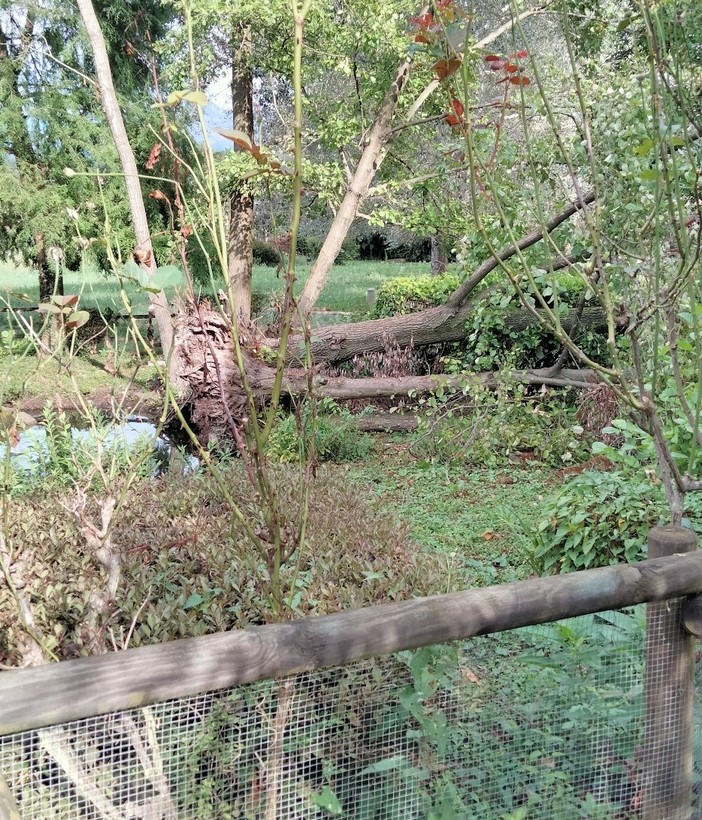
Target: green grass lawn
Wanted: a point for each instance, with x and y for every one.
(347, 286)
(345, 290)
(479, 518)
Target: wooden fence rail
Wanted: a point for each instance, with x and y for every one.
(56, 693)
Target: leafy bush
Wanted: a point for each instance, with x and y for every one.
(335, 437)
(349, 251)
(406, 294)
(309, 246)
(197, 257)
(265, 254)
(14, 342)
(599, 518)
(496, 337)
(497, 427)
(189, 569)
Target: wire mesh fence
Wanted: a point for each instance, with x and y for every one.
(539, 722)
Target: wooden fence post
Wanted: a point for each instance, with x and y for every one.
(668, 694)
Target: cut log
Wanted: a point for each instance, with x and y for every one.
(385, 423)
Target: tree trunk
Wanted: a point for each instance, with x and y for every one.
(144, 250)
(439, 261)
(205, 352)
(50, 273)
(241, 202)
(338, 343)
(357, 189)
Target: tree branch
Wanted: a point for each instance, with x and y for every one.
(466, 288)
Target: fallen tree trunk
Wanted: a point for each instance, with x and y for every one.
(217, 397)
(385, 423)
(338, 343)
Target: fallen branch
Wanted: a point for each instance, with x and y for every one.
(341, 388)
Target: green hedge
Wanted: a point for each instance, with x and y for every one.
(408, 294)
(490, 343)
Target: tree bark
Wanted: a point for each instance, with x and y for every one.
(144, 250)
(371, 159)
(50, 273)
(338, 343)
(241, 202)
(439, 261)
(344, 389)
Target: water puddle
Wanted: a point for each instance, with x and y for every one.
(126, 439)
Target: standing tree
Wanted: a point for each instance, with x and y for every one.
(241, 201)
(143, 251)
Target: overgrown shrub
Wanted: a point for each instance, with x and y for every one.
(335, 437)
(349, 251)
(406, 294)
(309, 246)
(495, 428)
(189, 569)
(599, 518)
(266, 254)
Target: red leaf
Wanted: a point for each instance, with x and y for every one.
(443, 4)
(511, 68)
(445, 68)
(421, 38)
(452, 120)
(423, 21)
(498, 66)
(154, 154)
(492, 58)
(519, 80)
(521, 54)
(457, 106)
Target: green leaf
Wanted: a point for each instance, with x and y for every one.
(47, 307)
(77, 319)
(194, 600)
(166, 276)
(327, 800)
(132, 270)
(21, 296)
(643, 149)
(195, 97)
